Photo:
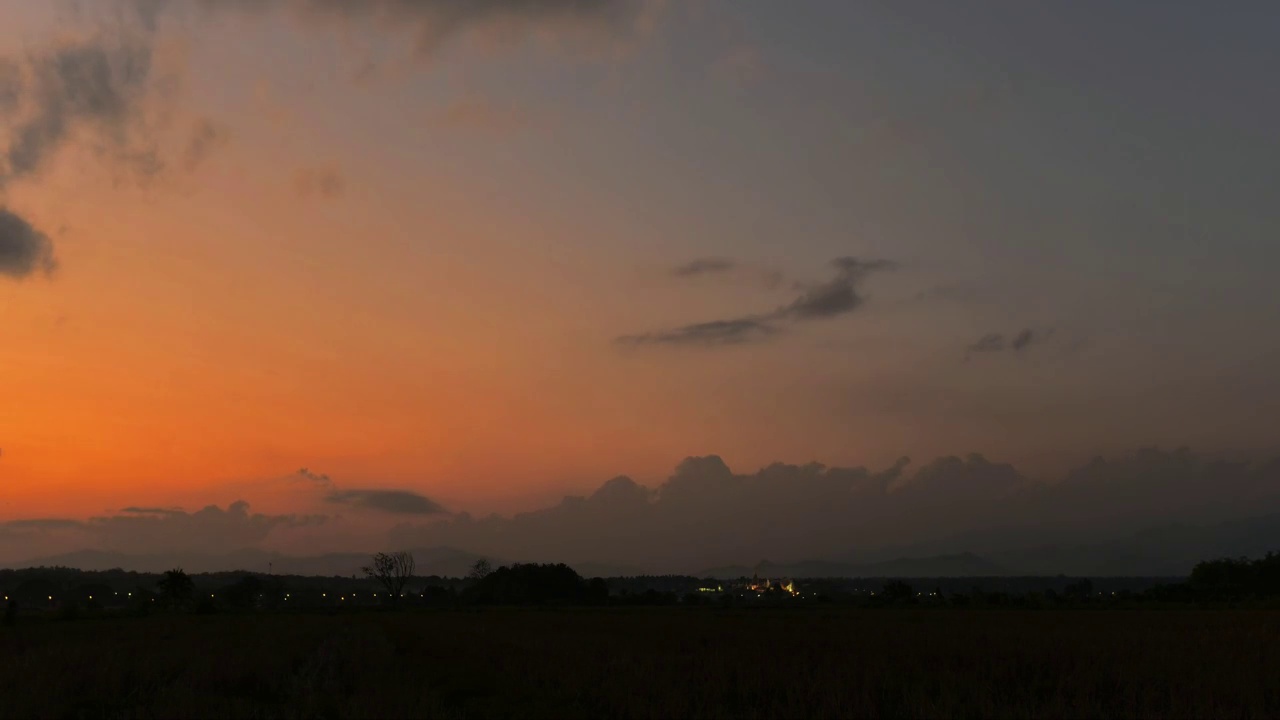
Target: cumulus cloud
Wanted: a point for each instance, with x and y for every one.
(707, 515)
(833, 298)
(1147, 511)
(401, 502)
(24, 250)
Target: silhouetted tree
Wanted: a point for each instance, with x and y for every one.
(10, 611)
(393, 570)
(597, 591)
(244, 592)
(1080, 591)
(898, 591)
(1236, 578)
(176, 588)
(437, 596)
(480, 569)
(528, 584)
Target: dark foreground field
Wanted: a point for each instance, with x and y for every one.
(649, 662)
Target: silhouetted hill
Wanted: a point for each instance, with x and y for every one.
(443, 561)
(961, 565)
(1162, 550)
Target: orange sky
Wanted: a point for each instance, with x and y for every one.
(444, 318)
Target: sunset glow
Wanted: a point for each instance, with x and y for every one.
(477, 262)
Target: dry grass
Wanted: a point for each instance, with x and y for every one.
(650, 663)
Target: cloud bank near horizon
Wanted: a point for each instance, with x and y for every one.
(705, 515)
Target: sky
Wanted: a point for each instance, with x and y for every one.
(365, 264)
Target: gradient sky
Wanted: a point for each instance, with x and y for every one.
(464, 249)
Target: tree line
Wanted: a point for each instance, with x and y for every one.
(388, 577)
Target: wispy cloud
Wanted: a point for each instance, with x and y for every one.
(95, 86)
(480, 115)
(704, 266)
(206, 136)
(715, 332)
(137, 510)
(833, 298)
(44, 524)
(432, 23)
(325, 181)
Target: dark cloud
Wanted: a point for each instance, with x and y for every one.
(317, 478)
(830, 299)
(827, 300)
(24, 250)
(402, 502)
(136, 510)
(715, 332)
(1022, 340)
(997, 342)
(405, 502)
(704, 266)
(839, 295)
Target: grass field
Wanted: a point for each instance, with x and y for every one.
(649, 663)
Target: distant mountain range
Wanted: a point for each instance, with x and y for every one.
(999, 552)
(443, 561)
(961, 565)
